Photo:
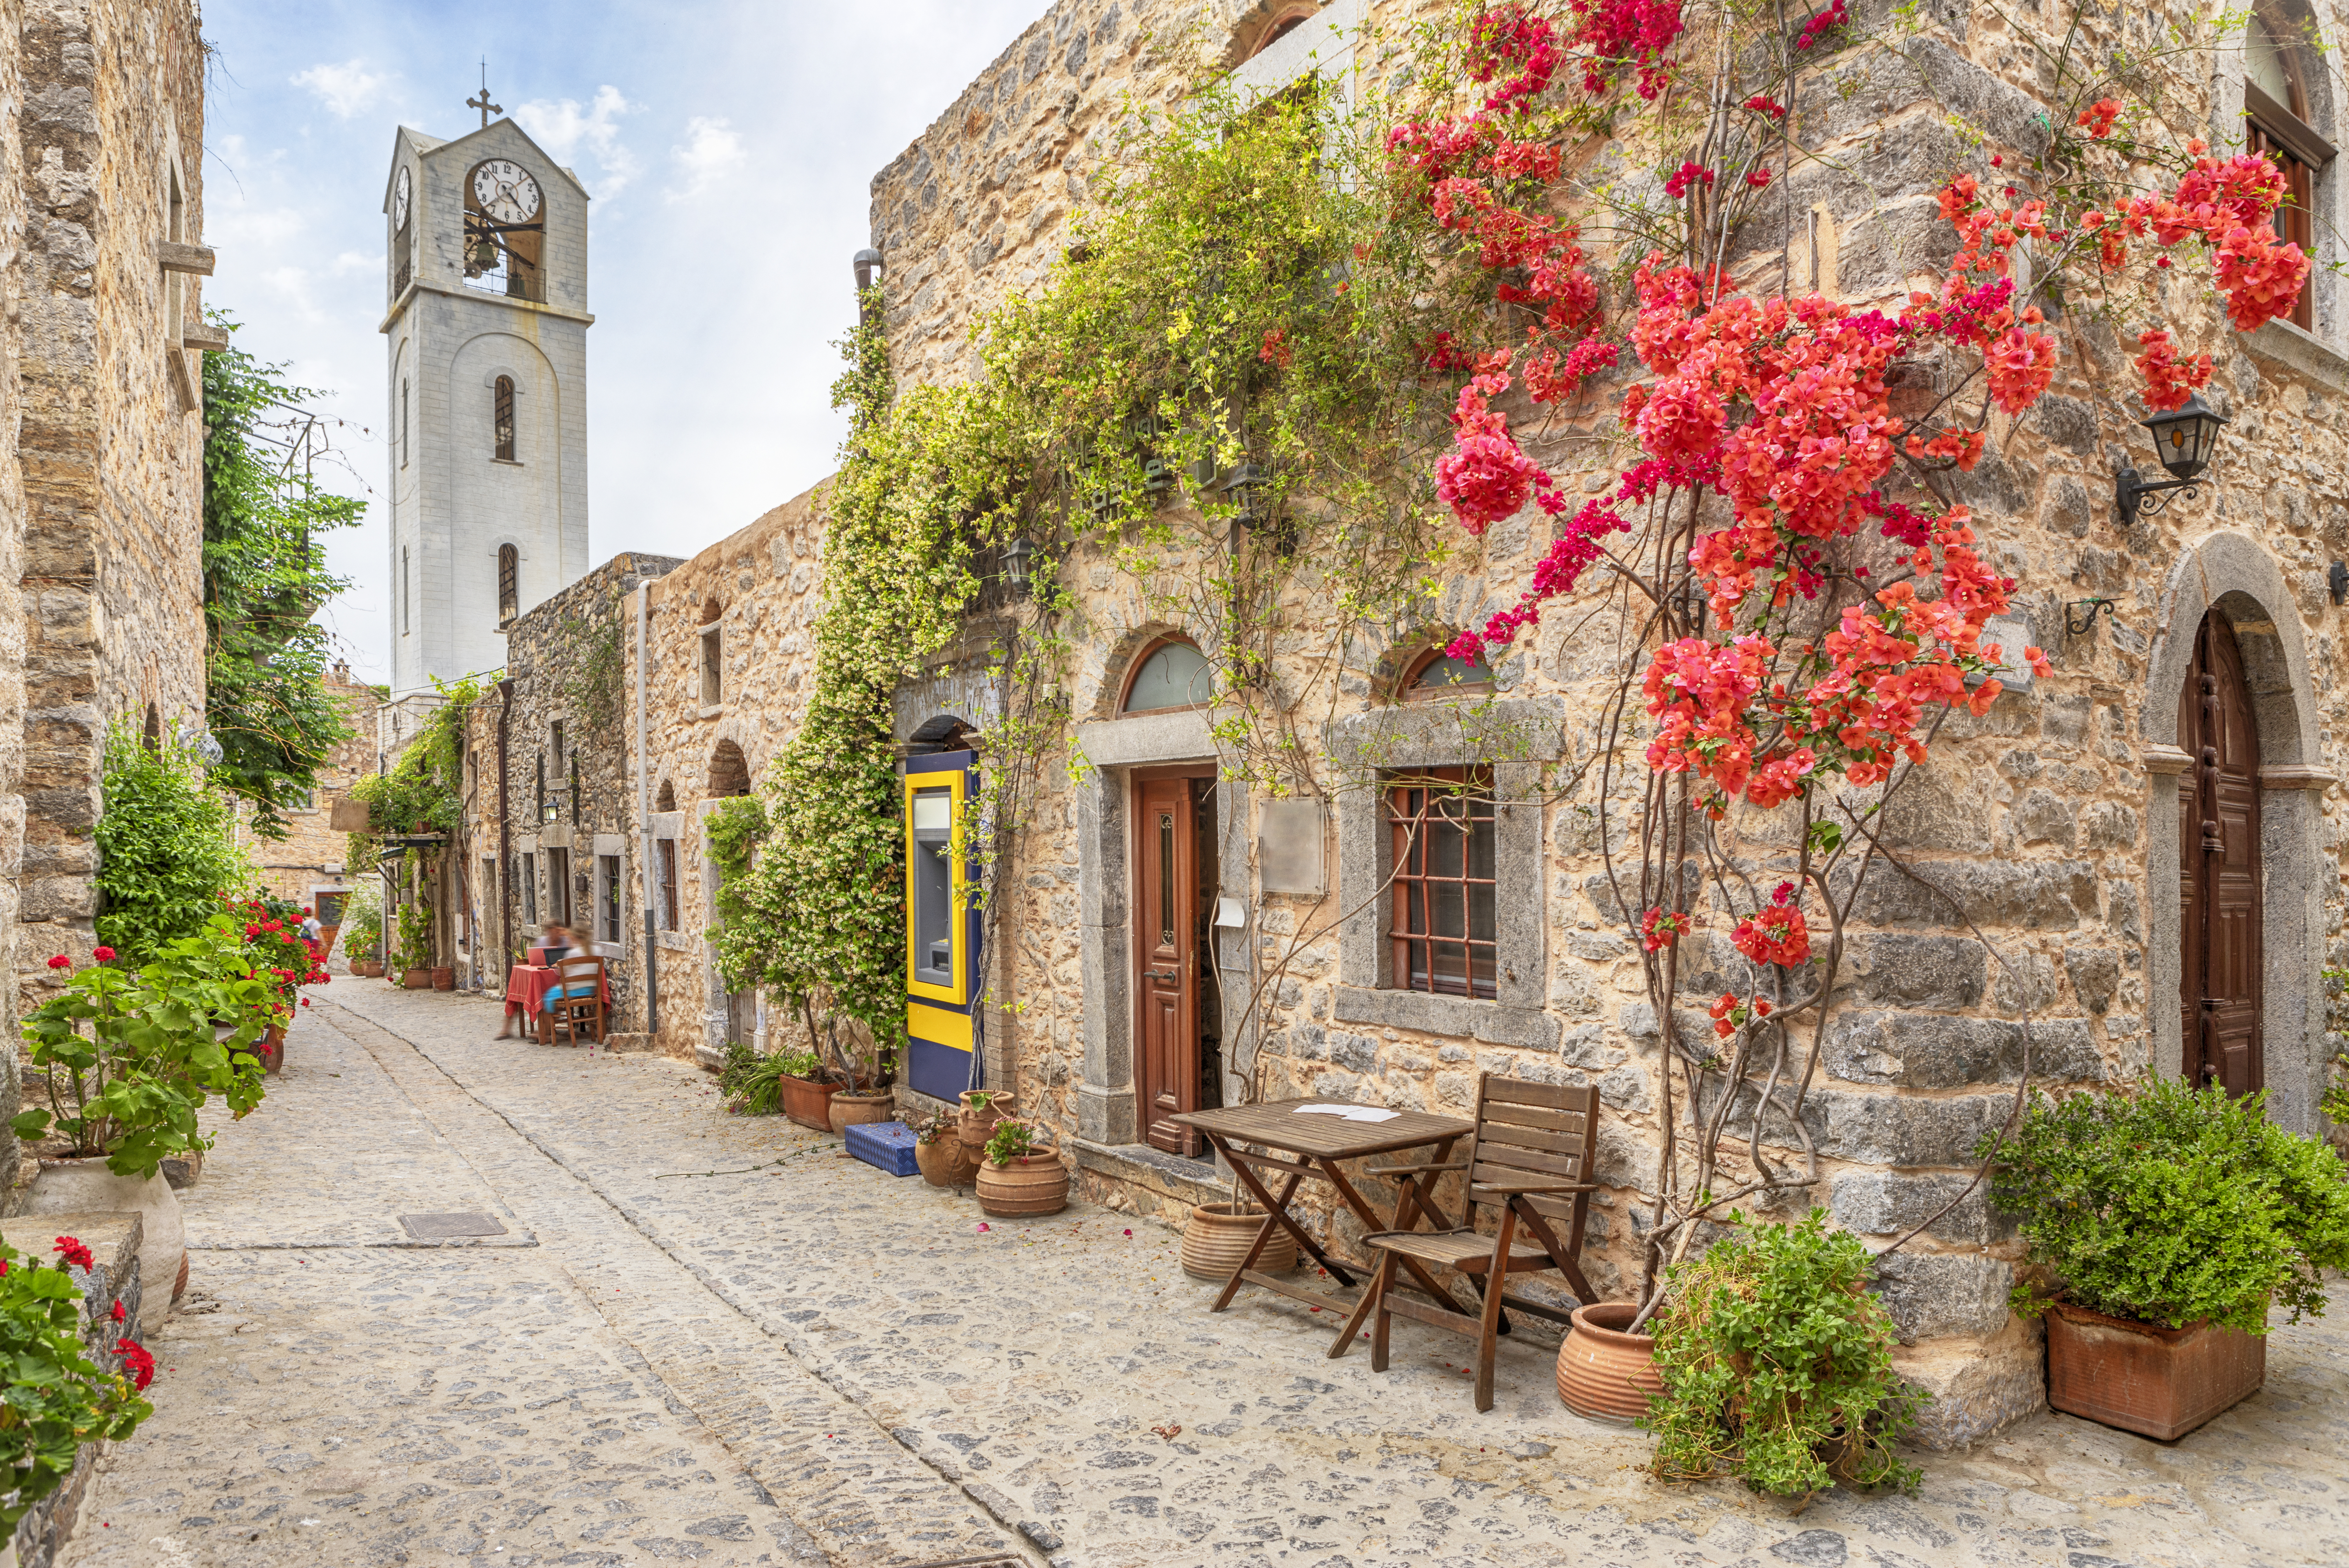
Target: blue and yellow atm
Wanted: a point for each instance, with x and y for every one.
(942, 927)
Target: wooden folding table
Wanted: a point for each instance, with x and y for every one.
(1318, 1143)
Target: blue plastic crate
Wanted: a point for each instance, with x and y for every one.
(886, 1144)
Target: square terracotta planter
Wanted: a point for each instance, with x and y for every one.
(2141, 1377)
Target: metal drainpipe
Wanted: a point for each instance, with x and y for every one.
(644, 822)
(505, 873)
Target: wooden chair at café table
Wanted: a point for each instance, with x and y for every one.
(579, 974)
(1529, 1158)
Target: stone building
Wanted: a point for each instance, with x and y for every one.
(2057, 823)
(309, 863)
(551, 812)
(722, 659)
(103, 209)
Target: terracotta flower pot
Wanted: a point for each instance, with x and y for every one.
(975, 1124)
(444, 979)
(273, 1048)
(1031, 1185)
(944, 1162)
(86, 1186)
(1603, 1373)
(1216, 1242)
(807, 1103)
(847, 1110)
(371, 970)
(417, 979)
(2142, 1377)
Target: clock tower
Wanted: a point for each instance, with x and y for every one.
(486, 333)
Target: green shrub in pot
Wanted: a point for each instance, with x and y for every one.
(2172, 1205)
(1776, 1364)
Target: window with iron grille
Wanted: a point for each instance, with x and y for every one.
(668, 883)
(558, 886)
(502, 419)
(608, 906)
(509, 583)
(1441, 927)
(529, 889)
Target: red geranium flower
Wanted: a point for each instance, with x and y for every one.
(136, 1362)
(119, 1314)
(61, 962)
(74, 1253)
(103, 954)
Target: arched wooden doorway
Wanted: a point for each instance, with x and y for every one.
(2218, 866)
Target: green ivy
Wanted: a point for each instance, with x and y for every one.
(2172, 1205)
(425, 787)
(167, 851)
(264, 577)
(1777, 1364)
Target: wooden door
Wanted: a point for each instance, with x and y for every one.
(1166, 947)
(2219, 867)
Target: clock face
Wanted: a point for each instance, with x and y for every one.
(399, 201)
(505, 192)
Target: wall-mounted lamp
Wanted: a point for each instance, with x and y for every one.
(2080, 615)
(1018, 563)
(869, 271)
(2338, 581)
(2184, 437)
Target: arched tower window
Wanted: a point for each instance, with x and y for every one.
(509, 583)
(1436, 674)
(2281, 116)
(502, 419)
(1170, 675)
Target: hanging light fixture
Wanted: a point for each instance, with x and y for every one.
(1018, 563)
(2185, 437)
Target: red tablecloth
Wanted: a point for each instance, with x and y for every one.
(528, 983)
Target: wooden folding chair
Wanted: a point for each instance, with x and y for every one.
(1529, 1158)
(580, 975)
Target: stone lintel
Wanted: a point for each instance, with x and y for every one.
(2297, 776)
(2164, 759)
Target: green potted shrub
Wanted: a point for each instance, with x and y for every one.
(413, 962)
(2164, 1222)
(1776, 1364)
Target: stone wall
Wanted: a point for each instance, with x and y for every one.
(2047, 826)
(754, 594)
(110, 138)
(313, 853)
(566, 705)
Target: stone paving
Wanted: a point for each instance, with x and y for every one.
(743, 1348)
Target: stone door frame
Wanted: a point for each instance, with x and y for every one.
(2232, 575)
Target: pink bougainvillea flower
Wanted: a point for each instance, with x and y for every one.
(983, 1225)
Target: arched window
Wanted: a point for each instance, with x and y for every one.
(1171, 676)
(509, 583)
(501, 421)
(1436, 674)
(153, 733)
(729, 774)
(1281, 26)
(2280, 122)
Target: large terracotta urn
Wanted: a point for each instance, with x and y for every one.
(1605, 1374)
(1216, 1242)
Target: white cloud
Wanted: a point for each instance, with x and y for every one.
(348, 89)
(712, 151)
(565, 131)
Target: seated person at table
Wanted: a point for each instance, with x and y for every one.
(556, 945)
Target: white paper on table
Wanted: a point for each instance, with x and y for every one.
(1323, 1109)
(1351, 1112)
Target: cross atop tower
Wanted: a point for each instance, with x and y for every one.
(483, 102)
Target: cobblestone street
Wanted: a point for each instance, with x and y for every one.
(711, 1339)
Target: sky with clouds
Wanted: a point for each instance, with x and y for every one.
(728, 146)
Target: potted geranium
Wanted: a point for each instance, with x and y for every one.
(981, 1109)
(121, 1061)
(2164, 1222)
(1021, 1174)
(282, 957)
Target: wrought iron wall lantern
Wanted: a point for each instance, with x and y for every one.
(2184, 437)
(1018, 564)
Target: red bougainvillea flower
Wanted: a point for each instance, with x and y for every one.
(1762, 103)
(2169, 380)
(74, 1253)
(1276, 350)
(1730, 1014)
(61, 962)
(2098, 117)
(1620, 33)
(1759, 177)
(1776, 933)
(1659, 930)
(1835, 16)
(103, 954)
(137, 1364)
(1687, 174)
